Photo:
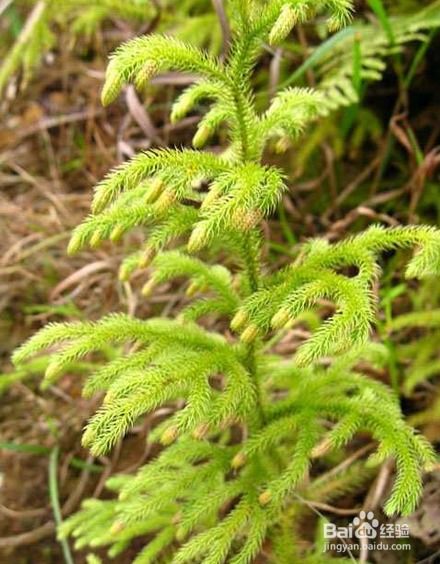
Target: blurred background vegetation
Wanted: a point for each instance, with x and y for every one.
(374, 156)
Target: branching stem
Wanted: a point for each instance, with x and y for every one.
(251, 262)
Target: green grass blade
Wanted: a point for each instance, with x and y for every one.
(55, 502)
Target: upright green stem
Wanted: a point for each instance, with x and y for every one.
(251, 261)
(252, 272)
(251, 365)
(241, 120)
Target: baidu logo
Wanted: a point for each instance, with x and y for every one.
(366, 526)
(365, 531)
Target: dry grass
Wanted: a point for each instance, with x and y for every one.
(55, 142)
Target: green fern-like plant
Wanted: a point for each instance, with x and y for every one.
(359, 53)
(252, 421)
(37, 34)
(83, 18)
(422, 352)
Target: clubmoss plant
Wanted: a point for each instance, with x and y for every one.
(422, 352)
(37, 35)
(359, 53)
(252, 422)
(83, 18)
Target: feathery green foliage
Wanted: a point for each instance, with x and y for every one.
(84, 17)
(358, 54)
(422, 352)
(37, 35)
(252, 423)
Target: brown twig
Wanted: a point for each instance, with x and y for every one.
(13, 514)
(29, 537)
(140, 115)
(333, 509)
(274, 71)
(224, 24)
(374, 497)
(350, 188)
